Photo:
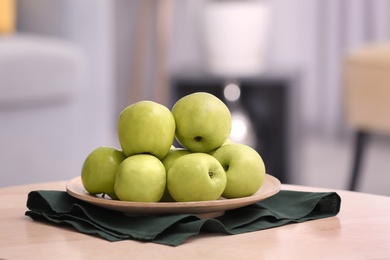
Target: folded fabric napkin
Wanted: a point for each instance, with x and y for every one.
(285, 207)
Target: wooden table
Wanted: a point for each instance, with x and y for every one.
(360, 231)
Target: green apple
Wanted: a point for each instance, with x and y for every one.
(99, 169)
(244, 167)
(171, 156)
(196, 177)
(140, 178)
(228, 141)
(203, 122)
(146, 127)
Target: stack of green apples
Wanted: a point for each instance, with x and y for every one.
(148, 168)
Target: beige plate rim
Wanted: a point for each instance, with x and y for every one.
(270, 187)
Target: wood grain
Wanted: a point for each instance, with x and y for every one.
(360, 231)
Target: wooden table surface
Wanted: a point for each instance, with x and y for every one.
(360, 231)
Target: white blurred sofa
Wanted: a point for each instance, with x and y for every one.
(41, 80)
(56, 89)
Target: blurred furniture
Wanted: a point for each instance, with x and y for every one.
(150, 52)
(367, 98)
(7, 16)
(58, 93)
(90, 26)
(268, 102)
(360, 231)
(41, 80)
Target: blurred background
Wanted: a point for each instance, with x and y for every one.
(68, 67)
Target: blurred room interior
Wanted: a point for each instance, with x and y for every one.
(278, 64)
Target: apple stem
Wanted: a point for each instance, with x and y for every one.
(198, 139)
(211, 174)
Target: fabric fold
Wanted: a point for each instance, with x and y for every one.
(59, 208)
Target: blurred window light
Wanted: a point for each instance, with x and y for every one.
(232, 92)
(239, 128)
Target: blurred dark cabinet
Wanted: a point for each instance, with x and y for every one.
(268, 103)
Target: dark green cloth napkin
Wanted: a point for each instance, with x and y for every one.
(283, 208)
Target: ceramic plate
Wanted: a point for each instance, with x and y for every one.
(213, 208)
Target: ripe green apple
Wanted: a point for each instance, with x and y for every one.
(244, 167)
(228, 141)
(196, 177)
(146, 127)
(171, 156)
(99, 169)
(140, 178)
(203, 122)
